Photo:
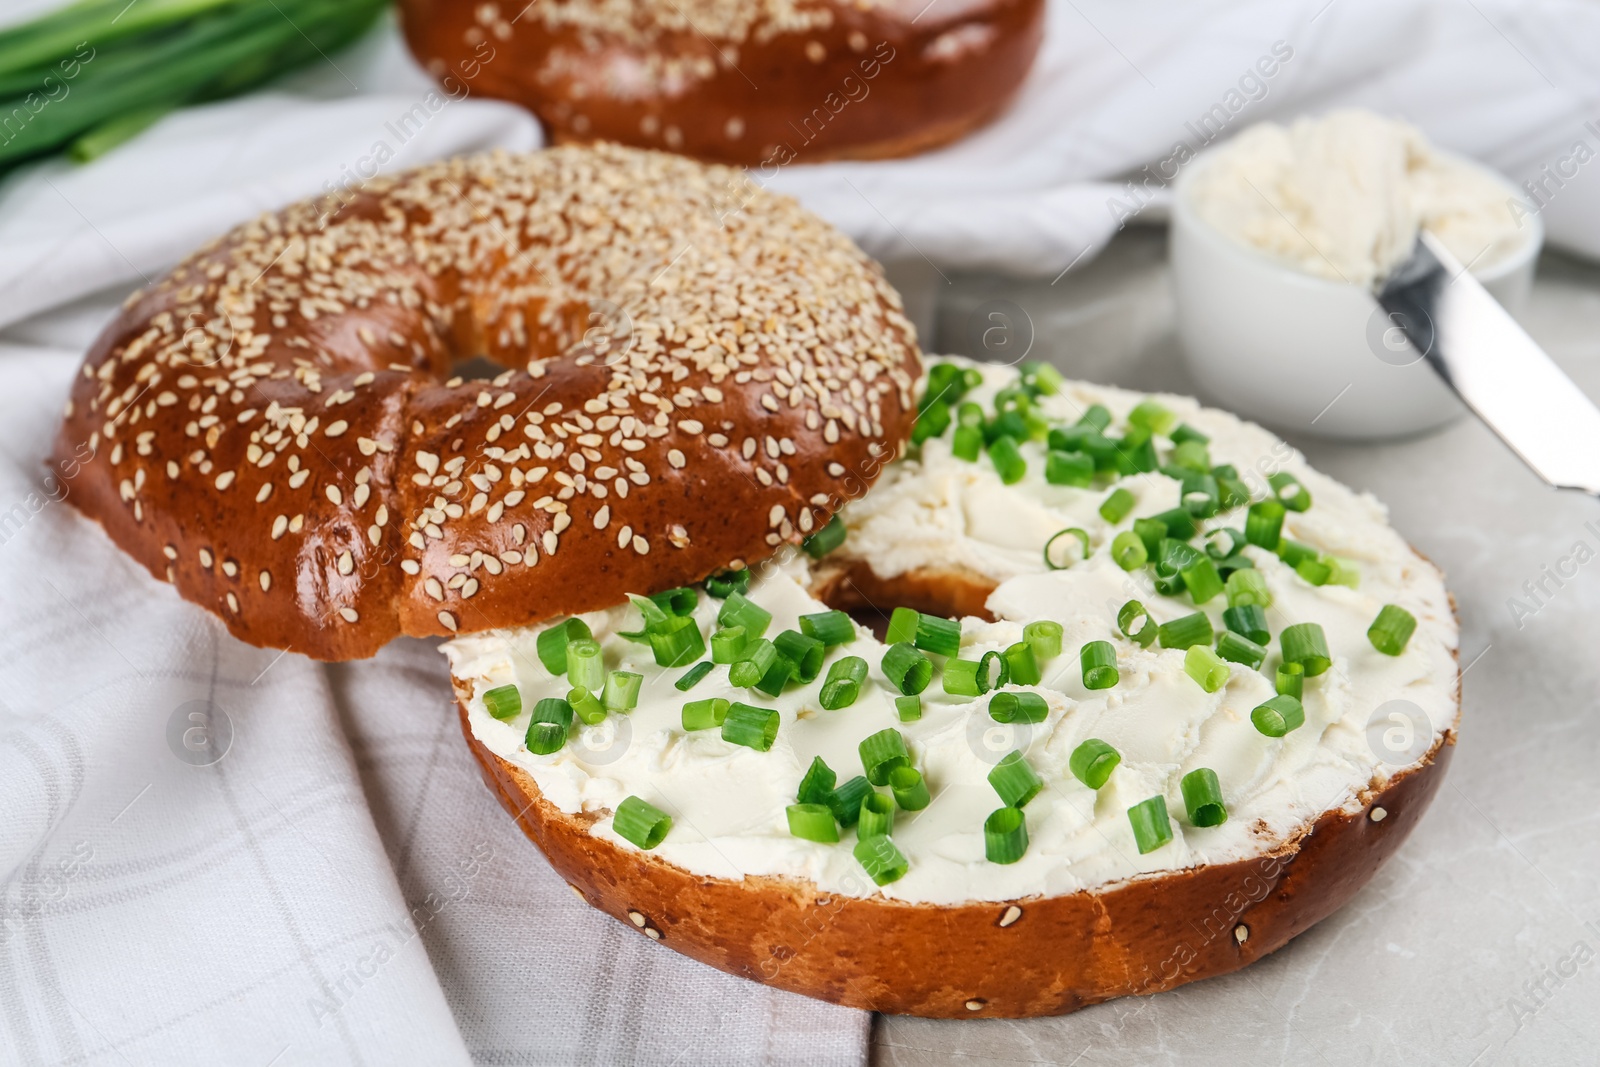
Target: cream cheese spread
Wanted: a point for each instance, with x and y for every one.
(1343, 196)
(934, 511)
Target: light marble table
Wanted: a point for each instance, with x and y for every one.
(1479, 943)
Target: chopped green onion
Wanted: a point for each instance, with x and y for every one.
(938, 635)
(728, 645)
(902, 626)
(1115, 507)
(586, 664)
(679, 601)
(1128, 551)
(1290, 493)
(693, 675)
(1314, 571)
(1005, 835)
(1151, 532)
(826, 539)
(1042, 378)
(1187, 632)
(1183, 432)
(1192, 455)
(1007, 459)
(759, 658)
(1099, 662)
(724, 583)
(1233, 492)
(843, 684)
(654, 614)
(1278, 715)
(1008, 706)
(1236, 562)
(641, 823)
(750, 726)
(707, 714)
(1068, 468)
(846, 800)
(1093, 761)
(1067, 439)
(1223, 542)
(1063, 538)
(961, 678)
(1248, 587)
(910, 791)
(817, 785)
(993, 671)
(1022, 666)
(1179, 523)
(829, 627)
(806, 653)
(1304, 643)
(1237, 648)
(966, 443)
(547, 731)
(1290, 680)
(1097, 416)
(1295, 553)
(947, 383)
(908, 708)
(907, 669)
(1152, 415)
(1201, 497)
(740, 610)
(503, 702)
(1152, 827)
(1044, 637)
(1176, 555)
(1015, 780)
(1132, 612)
(1248, 620)
(1202, 796)
(1389, 632)
(1204, 666)
(883, 862)
(933, 421)
(1136, 452)
(1202, 580)
(812, 822)
(586, 706)
(1263, 524)
(622, 690)
(877, 815)
(881, 753)
(1342, 572)
(551, 644)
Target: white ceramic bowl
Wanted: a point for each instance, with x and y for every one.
(1305, 354)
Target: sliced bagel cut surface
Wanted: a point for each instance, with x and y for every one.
(937, 522)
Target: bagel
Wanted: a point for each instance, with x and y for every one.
(1087, 912)
(689, 370)
(750, 83)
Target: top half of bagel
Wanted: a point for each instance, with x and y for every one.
(691, 371)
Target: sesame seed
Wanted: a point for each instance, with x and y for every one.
(448, 621)
(349, 614)
(266, 581)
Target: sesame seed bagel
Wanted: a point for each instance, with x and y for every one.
(758, 81)
(692, 372)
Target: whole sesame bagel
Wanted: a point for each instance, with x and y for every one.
(1128, 769)
(687, 372)
(755, 82)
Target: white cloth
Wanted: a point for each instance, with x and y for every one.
(255, 910)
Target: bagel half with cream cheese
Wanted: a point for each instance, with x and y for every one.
(1215, 835)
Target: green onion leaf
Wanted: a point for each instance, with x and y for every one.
(1115, 507)
(1097, 417)
(503, 702)
(1202, 497)
(1069, 468)
(1005, 835)
(902, 626)
(750, 726)
(1314, 571)
(883, 862)
(829, 627)
(846, 800)
(1179, 523)
(1263, 524)
(1236, 648)
(1295, 553)
(1202, 580)
(1151, 533)
(1099, 662)
(817, 785)
(877, 815)
(622, 691)
(552, 643)
(1042, 379)
(679, 601)
(1202, 796)
(1204, 666)
(908, 708)
(1022, 666)
(706, 714)
(881, 753)
(740, 610)
(726, 583)
(643, 824)
(693, 675)
(1153, 416)
(1015, 780)
(1060, 558)
(586, 706)
(812, 822)
(547, 731)
(728, 645)
(937, 635)
(1007, 459)
(910, 791)
(1128, 551)
(1093, 761)
(1223, 542)
(933, 421)
(1009, 706)
(759, 658)
(907, 669)
(1278, 715)
(586, 664)
(806, 653)
(1183, 433)
(1290, 493)
(967, 443)
(826, 539)
(1304, 643)
(1136, 452)
(843, 684)
(1152, 827)
(1187, 632)
(1389, 632)
(1290, 680)
(1132, 612)
(1044, 637)
(1248, 587)
(1248, 620)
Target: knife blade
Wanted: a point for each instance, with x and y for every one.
(1499, 372)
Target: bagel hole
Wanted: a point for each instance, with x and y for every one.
(479, 367)
(869, 599)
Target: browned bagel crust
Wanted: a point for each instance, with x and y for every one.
(753, 82)
(267, 426)
(1039, 956)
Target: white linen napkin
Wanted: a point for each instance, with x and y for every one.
(254, 910)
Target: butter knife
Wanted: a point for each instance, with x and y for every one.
(1499, 372)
